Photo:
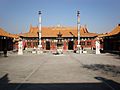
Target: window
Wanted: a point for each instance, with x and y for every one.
(88, 43)
(35, 44)
(82, 43)
(29, 44)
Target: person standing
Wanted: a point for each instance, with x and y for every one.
(5, 52)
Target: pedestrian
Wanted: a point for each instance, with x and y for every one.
(5, 52)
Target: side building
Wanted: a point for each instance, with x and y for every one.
(111, 40)
(7, 40)
(50, 36)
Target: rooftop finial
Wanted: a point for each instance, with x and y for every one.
(58, 25)
(78, 12)
(39, 12)
(118, 25)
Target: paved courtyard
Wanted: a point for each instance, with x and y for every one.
(68, 71)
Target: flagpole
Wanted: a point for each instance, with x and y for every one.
(39, 33)
(78, 29)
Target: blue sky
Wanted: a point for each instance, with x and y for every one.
(99, 16)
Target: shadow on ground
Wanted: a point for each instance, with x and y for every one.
(116, 56)
(104, 68)
(5, 85)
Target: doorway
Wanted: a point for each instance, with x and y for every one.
(70, 45)
(47, 45)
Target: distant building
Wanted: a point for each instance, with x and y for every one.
(50, 38)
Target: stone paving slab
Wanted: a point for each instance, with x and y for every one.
(55, 72)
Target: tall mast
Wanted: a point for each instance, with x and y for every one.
(78, 26)
(39, 29)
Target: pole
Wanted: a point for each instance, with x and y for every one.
(78, 29)
(78, 26)
(39, 29)
(39, 33)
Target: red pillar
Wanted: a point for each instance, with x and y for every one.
(64, 45)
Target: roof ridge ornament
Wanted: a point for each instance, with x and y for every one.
(59, 25)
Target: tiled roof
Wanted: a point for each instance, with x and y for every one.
(115, 31)
(53, 31)
(6, 34)
(102, 35)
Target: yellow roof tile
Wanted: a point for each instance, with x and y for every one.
(53, 31)
(6, 34)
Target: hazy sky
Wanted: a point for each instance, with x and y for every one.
(99, 15)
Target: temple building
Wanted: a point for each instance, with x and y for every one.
(53, 37)
(111, 40)
(7, 40)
